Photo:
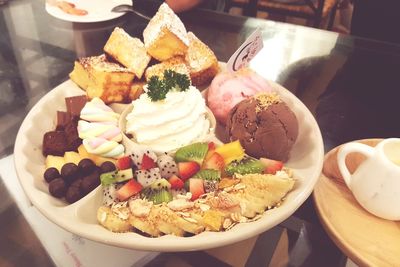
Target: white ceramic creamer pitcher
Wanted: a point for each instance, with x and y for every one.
(376, 182)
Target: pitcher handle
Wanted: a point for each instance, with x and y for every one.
(344, 151)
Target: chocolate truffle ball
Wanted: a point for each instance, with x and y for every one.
(90, 182)
(69, 172)
(50, 174)
(107, 166)
(73, 194)
(57, 188)
(86, 166)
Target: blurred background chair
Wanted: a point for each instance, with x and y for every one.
(243, 4)
(317, 12)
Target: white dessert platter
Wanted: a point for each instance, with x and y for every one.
(98, 10)
(306, 160)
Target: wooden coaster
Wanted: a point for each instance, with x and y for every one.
(364, 238)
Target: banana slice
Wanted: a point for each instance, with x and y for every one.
(270, 188)
(181, 220)
(111, 221)
(248, 198)
(147, 224)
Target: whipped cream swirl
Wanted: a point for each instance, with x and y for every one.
(99, 131)
(166, 125)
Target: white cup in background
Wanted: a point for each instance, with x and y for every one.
(376, 182)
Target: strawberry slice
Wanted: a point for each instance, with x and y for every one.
(211, 146)
(211, 150)
(215, 162)
(188, 169)
(124, 163)
(129, 189)
(196, 187)
(271, 166)
(176, 182)
(147, 163)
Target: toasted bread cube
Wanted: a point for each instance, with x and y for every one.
(165, 36)
(201, 60)
(176, 64)
(128, 51)
(136, 90)
(80, 76)
(101, 78)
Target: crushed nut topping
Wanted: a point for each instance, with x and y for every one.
(183, 214)
(239, 186)
(204, 207)
(228, 189)
(140, 207)
(103, 217)
(227, 223)
(190, 219)
(237, 217)
(122, 213)
(265, 100)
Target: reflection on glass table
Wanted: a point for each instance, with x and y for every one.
(335, 76)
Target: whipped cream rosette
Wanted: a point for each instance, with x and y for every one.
(179, 119)
(99, 131)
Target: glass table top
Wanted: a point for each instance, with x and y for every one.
(350, 84)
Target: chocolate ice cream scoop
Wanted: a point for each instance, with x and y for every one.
(264, 125)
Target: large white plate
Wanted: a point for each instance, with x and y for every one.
(80, 218)
(98, 10)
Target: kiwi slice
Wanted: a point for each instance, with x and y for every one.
(208, 174)
(194, 152)
(186, 185)
(160, 184)
(244, 166)
(161, 196)
(158, 192)
(157, 196)
(116, 176)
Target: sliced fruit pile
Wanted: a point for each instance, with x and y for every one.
(202, 187)
(196, 169)
(237, 200)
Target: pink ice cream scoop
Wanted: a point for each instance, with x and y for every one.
(227, 89)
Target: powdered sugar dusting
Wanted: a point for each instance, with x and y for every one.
(164, 18)
(101, 63)
(199, 55)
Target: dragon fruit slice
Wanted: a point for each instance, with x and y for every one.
(210, 186)
(147, 177)
(167, 165)
(110, 194)
(137, 153)
(176, 192)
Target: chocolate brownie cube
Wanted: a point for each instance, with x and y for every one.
(75, 104)
(62, 119)
(72, 135)
(54, 143)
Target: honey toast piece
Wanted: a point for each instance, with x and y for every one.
(165, 36)
(136, 90)
(104, 79)
(128, 51)
(201, 61)
(176, 64)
